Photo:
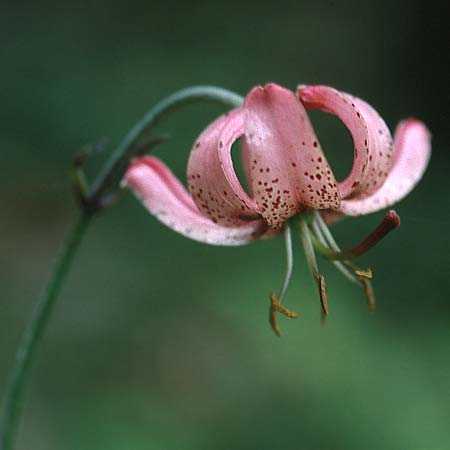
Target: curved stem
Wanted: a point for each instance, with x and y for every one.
(113, 171)
(104, 185)
(33, 332)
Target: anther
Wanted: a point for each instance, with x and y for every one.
(276, 306)
(323, 299)
(365, 273)
(323, 294)
(368, 289)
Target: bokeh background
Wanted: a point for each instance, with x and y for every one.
(158, 342)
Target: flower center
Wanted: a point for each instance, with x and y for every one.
(315, 235)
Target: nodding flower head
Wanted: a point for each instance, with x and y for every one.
(289, 179)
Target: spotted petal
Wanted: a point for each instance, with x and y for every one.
(288, 169)
(380, 149)
(412, 150)
(371, 137)
(212, 180)
(167, 199)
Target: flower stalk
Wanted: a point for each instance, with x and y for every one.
(109, 178)
(92, 199)
(13, 402)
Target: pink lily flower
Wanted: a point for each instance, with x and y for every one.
(286, 170)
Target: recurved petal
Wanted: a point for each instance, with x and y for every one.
(212, 180)
(167, 199)
(412, 149)
(288, 169)
(380, 149)
(371, 137)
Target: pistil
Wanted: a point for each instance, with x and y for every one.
(390, 222)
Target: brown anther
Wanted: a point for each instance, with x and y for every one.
(273, 321)
(367, 273)
(323, 294)
(276, 306)
(368, 289)
(364, 273)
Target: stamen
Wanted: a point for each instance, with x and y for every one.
(275, 302)
(289, 260)
(326, 238)
(368, 289)
(390, 221)
(307, 242)
(365, 273)
(338, 264)
(276, 306)
(323, 295)
(363, 276)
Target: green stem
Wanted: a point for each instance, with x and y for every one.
(113, 171)
(104, 186)
(34, 331)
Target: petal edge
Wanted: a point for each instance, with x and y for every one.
(412, 150)
(167, 199)
(371, 137)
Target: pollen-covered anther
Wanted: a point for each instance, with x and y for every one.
(365, 273)
(323, 294)
(323, 299)
(276, 306)
(370, 295)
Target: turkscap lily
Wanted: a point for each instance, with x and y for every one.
(288, 177)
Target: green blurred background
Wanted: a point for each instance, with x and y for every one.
(158, 342)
